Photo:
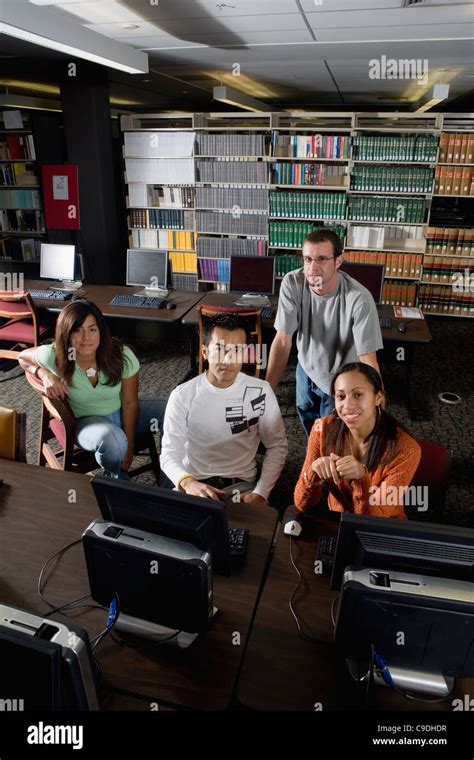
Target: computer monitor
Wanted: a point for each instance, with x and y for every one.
(407, 594)
(57, 262)
(148, 268)
(197, 521)
(252, 274)
(369, 275)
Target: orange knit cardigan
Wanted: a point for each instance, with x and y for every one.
(387, 483)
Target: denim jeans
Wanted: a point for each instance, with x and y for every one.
(311, 402)
(105, 437)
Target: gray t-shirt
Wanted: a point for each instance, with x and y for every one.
(333, 329)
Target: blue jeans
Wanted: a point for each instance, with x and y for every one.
(311, 402)
(105, 437)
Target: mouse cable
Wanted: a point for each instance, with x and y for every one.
(57, 554)
(303, 635)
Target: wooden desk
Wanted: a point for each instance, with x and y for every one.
(37, 519)
(101, 295)
(283, 671)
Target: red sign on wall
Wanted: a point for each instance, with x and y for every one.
(61, 196)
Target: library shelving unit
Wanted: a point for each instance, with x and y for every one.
(21, 214)
(257, 183)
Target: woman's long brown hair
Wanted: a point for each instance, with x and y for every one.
(109, 356)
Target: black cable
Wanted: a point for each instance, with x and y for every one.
(48, 561)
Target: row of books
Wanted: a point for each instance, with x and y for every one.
(150, 218)
(292, 235)
(450, 240)
(442, 300)
(399, 293)
(160, 171)
(16, 147)
(20, 250)
(396, 264)
(20, 199)
(164, 239)
(308, 205)
(232, 171)
(17, 174)
(443, 268)
(397, 236)
(409, 179)
(288, 173)
(230, 197)
(140, 194)
(382, 208)
(285, 264)
(186, 282)
(413, 148)
(215, 247)
(182, 262)
(20, 220)
(456, 180)
(310, 146)
(214, 144)
(158, 144)
(456, 148)
(215, 270)
(233, 223)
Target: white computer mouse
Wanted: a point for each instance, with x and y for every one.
(292, 528)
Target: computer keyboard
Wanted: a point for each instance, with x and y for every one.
(53, 295)
(385, 322)
(238, 540)
(141, 302)
(325, 552)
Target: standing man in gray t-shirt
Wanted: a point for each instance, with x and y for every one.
(336, 322)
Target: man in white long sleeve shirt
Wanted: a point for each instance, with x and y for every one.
(215, 422)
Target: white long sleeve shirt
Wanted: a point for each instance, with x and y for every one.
(210, 431)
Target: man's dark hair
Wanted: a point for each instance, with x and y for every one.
(325, 236)
(225, 321)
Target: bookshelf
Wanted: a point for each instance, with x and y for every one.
(21, 206)
(257, 183)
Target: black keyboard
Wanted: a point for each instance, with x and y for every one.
(385, 322)
(325, 552)
(238, 540)
(53, 295)
(141, 302)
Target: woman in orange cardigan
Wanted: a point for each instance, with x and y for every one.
(364, 457)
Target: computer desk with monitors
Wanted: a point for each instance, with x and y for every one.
(43, 510)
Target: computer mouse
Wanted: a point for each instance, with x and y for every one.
(170, 305)
(401, 327)
(292, 528)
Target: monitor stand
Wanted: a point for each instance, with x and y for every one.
(70, 285)
(153, 293)
(410, 680)
(158, 634)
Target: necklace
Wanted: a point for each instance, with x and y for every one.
(91, 372)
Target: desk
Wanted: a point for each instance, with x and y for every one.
(281, 670)
(37, 519)
(102, 294)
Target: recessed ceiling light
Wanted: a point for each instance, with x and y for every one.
(130, 26)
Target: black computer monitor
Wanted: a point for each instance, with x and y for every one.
(201, 522)
(57, 262)
(252, 274)
(369, 275)
(407, 592)
(148, 268)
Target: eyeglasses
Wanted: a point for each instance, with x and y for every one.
(307, 260)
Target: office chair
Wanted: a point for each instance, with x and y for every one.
(12, 434)
(23, 328)
(433, 471)
(59, 423)
(206, 311)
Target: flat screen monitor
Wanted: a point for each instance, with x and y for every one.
(197, 521)
(57, 262)
(148, 268)
(252, 274)
(369, 275)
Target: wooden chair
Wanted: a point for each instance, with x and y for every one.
(23, 328)
(206, 311)
(59, 423)
(433, 471)
(12, 434)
